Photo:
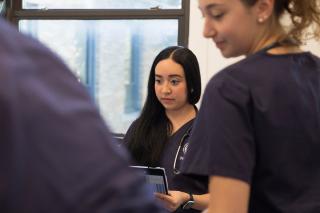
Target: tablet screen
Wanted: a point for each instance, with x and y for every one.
(155, 177)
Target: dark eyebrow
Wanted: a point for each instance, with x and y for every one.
(171, 76)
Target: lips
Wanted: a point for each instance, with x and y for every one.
(167, 100)
(220, 44)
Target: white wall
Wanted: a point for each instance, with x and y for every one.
(210, 59)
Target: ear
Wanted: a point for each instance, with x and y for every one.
(264, 9)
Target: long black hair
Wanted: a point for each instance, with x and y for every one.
(152, 129)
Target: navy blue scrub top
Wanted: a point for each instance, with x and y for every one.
(176, 180)
(260, 122)
(195, 184)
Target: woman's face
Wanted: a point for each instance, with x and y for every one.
(170, 85)
(231, 25)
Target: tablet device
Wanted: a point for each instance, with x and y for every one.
(155, 177)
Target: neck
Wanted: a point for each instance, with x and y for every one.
(268, 33)
(264, 42)
(180, 117)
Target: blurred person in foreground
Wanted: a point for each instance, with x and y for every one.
(57, 155)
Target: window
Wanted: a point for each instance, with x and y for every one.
(101, 4)
(108, 44)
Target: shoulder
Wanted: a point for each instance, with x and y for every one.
(243, 69)
(34, 58)
(229, 83)
(43, 89)
(189, 125)
(236, 72)
(130, 132)
(235, 84)
(133, 126)
(35, 74)
(257, 70)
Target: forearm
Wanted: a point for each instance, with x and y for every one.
(228, 195)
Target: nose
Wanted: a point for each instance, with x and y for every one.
(208, 29)
(166, 89)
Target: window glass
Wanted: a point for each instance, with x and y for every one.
(101, 4)
(111, 57)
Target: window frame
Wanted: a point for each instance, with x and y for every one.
(15, 13)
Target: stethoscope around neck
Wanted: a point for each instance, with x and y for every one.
(182, 141)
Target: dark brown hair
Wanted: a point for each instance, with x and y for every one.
(303, 14)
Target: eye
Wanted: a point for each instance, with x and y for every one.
(175, 81)
(157, 81)
(217, 16)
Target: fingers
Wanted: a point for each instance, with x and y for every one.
(169, 202)
(160, 195)
(171, 208)
(166, 198)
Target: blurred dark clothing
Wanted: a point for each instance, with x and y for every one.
(56, 153)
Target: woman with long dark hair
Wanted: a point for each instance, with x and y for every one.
(159, 137)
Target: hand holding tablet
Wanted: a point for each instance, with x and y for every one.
(155, 177)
